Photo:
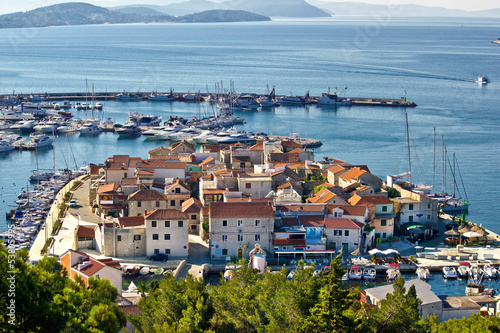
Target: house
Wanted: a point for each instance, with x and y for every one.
(285, 175)
(167, 232)
(245, 159)
(286, 194)
(178, 148)
(85, 237)
(289, 145)
(358, 213)
(289, 236)
(120, 166)
(255, 185)
(431, 304)
(334, 173)
(177, 193)
(193, 208)
(414, 207)
(343, 233)
(381, 215)
(110, 199)
(325, 196)
(314, 225)
(361, 176)
(365, 190)
(129, 186)
(236, 226)
(125, 238)
(161, 171)
(81, 264)
(145, 200)
(303, 155)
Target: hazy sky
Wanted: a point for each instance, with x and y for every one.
(9, 6)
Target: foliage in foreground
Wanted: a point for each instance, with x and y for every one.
(46, 300)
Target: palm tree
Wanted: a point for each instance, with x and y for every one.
(142, 288)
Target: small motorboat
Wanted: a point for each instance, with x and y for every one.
(424, 273)
(482, 79)
(393, 272)
(463, 270)
(158, 271)
(355, 273)
(476, 272)
(490, 271)
(345, 277)
(449, 272)
(369, 273)
(291, 274)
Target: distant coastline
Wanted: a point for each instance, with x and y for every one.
(86, 14)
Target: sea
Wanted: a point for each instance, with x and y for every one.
(432, 62)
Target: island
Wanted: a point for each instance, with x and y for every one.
(79, 13)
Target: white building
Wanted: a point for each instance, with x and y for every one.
(167, 232)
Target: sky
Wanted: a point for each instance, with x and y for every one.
(9, 6)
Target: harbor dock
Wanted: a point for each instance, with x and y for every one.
(143, 96)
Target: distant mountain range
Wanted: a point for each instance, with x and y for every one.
(79, 13)
(365, 9)
(311, 8)
(276, 8)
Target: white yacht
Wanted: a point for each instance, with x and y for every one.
(128, 129)
(205, 136)
(24, 126)
(482, 79)
(48, 126)
(185, 134)
(6, 146)
(167, 132)
(90, 128)
(39, 141)
(68, 127)
(424, 273)
(449, 272)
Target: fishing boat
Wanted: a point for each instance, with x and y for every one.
(355, 273)
(463, 270)
(423, 273)
(156, 97)
(158, 271)
(127, 97)
(490, 271)
(393, 272)
(369, 273)
(130, 270)
(334, 99)
(449, 272)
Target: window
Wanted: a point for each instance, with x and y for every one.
(410, 218)
(337, 232)
(137, 237)
(153, 224)
(139, 204)
(257, 238)
(157, 251)
(429, 205)
(172, 203)
(248, 185)
(384, 208)
(125, 175)
(193, 217)
(410, 207)
(167, 251)
(383, 223)
(155, 236)
(240, 223)
(224, 223)
(242, 165)
(180, 224)
(224, 238)
(166, 236)
(257, 223)
(224, 252)
(346, 232)
(167, 224)
(284, 247)
(428, 217)
(193, 227)
(384, 235)
(181, 202)
(177, 190)
(157, 204)
(240, 238)
(119, 238)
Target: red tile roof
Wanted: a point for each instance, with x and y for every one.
(240, 209)
(348, 210)
(108, 189)
(192, 205)
(161, 164)
(312, 220)
(94, 169)
(290, 221)
(372, 199)
(290, 144)
(342, 223)
(352, 174)
(180, 183)
(85, 231)
(147, 195)
(322, 196)
(131, 221)
(166, 214)
(159, 149)
(129, 181)
(296, 150)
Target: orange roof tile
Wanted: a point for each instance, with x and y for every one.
(342, 223)
(166, 214)
(312, 220)
(85, 231)
(131, 221)
(161, 164)
(178, 182)
(108, 188)
(240, 209)
(352, 174)
(322, 196)
(296, 150)
(147, 195)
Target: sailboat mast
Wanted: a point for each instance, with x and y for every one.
(454, 182)
(408, 143)
(434, 164)
(444, 167)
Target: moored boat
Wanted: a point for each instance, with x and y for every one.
(449, 272)
(463, 270)
(393, 272)
(490, 271)
(369, 273)
(355, 273)
(423, 273)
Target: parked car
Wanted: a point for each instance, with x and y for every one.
(158, 257)
(72, 203)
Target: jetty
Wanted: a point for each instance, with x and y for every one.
(12, 99)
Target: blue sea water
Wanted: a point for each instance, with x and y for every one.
(433, 61)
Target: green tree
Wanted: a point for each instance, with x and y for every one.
(474, 324)
(400, 311)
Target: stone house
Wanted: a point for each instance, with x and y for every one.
(193, 208)
(255, 185)
(361, 176)
(236, 226)
(343, 233)
(325, 196)
(145, 200)
(110, 199)
(167, 232)
(176, 194)
(120, 166)
(125, 238)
